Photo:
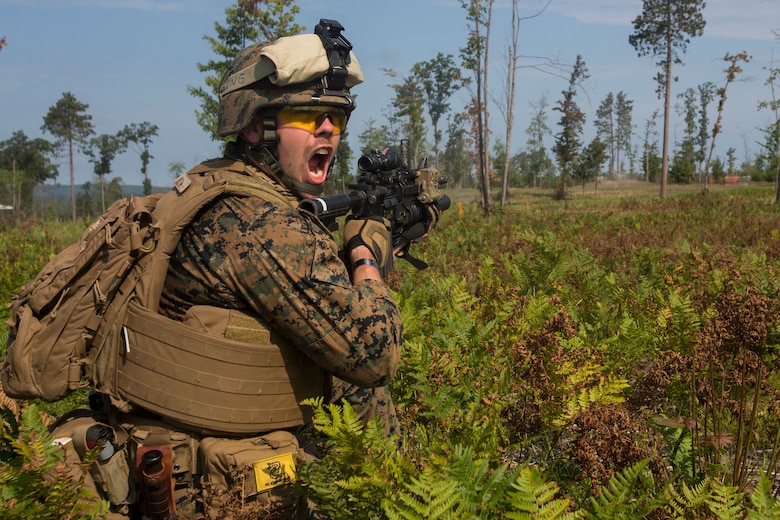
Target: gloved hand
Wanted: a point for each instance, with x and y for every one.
(420, 230)
(374, 233)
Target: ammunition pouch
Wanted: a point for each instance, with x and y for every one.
(219, 372)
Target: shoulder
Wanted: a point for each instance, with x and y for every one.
(240, 179)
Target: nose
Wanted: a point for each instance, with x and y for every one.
(326, 127)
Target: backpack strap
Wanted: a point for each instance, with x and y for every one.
(240, 179)
(177, 209)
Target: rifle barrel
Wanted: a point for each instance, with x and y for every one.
(334, 205)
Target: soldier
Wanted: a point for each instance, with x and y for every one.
(259, 307)
(287, 103)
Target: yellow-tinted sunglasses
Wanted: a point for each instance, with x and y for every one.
(310, 118)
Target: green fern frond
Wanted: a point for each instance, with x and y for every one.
(688, 499)
(534, 499)
(429, 497)
(608, 391)
(37, 484)
(360, 467)
(726, 501)
(765, 504)
(680, 442)
(482, 487)
(626, 496)
(578, 373)
(334, 420)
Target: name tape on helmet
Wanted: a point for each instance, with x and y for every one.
(288, 61)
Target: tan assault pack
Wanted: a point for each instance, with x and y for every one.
(90, 319)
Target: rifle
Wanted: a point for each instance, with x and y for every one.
(386, 187)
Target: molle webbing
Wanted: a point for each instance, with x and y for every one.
(215, 384)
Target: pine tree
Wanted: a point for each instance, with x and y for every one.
(70, 125)
(663, 31)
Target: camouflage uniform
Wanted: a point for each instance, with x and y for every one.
(279, 263)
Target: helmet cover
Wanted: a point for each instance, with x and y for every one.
(290, 71)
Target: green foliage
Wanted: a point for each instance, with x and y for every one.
(710, 498)
(627, 496)
(534, 499)
(567, 141)
(765, 504)
(360, 466)
(607, 391)
(620, 356)
(36, 484)
(363, 475)
(70, 125)
(24, 164)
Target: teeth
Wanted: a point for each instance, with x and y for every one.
(321, 151)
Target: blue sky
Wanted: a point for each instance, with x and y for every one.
(132, 60)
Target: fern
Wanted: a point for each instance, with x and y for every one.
(534, 499)
(725, 502)
(688, 500)
(626, 496)
(607, 391)
(37, 484)
(360, 467)
(765, 505)
(429, 497)
(364, 476)
(482, 488)
(680, 443)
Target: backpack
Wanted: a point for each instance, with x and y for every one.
(60, 323)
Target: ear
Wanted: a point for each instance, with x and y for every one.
(250, 133)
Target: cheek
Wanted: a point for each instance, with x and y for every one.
(292, 141)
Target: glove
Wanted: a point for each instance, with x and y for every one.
(374, 233)
(419, 230)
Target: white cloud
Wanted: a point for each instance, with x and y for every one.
(742, 19)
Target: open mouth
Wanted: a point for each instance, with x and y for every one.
(318, 165)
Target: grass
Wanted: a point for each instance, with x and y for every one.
(598, 338)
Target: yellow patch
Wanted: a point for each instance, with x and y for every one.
(274, 471)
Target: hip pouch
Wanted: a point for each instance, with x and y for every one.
(110, 474)
(256, 469)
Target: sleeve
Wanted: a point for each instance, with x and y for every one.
(287, 268)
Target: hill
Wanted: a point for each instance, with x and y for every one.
(47, 192)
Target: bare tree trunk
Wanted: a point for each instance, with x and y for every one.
(484, 129)
(72, 182)
(777, 176)
(667, 97)
(510, 98)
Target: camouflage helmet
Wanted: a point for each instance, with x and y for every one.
(306, 69)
